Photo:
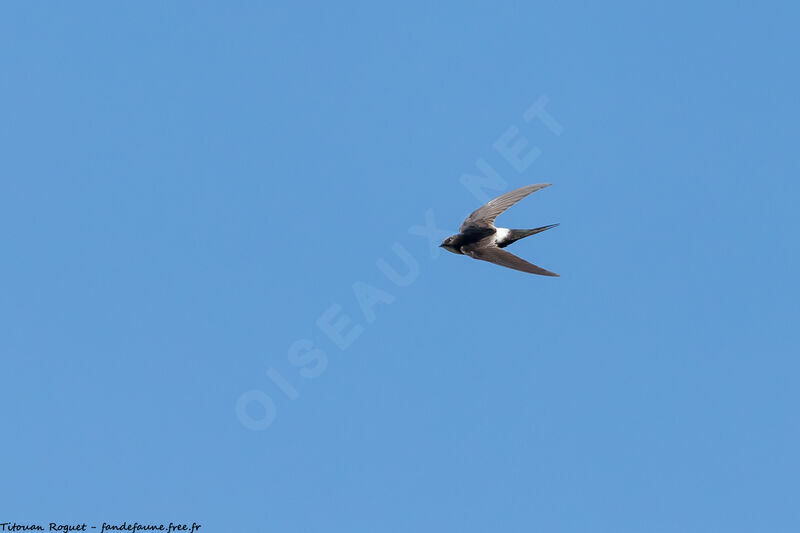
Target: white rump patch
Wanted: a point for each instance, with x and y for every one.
(501, 235)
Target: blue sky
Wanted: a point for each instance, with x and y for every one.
(189, 189)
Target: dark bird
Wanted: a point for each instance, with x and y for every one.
(480, 239)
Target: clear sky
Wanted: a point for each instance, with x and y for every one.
(219, 302)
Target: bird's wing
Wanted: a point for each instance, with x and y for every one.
(498, 256)
(484, 216)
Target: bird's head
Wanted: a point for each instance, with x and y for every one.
(450, 244)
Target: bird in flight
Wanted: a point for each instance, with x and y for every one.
(480, 239)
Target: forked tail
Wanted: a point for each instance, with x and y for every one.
(516, 234)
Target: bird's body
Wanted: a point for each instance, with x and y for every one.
(480, 239)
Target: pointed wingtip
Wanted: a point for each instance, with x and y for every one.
(536, 186)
